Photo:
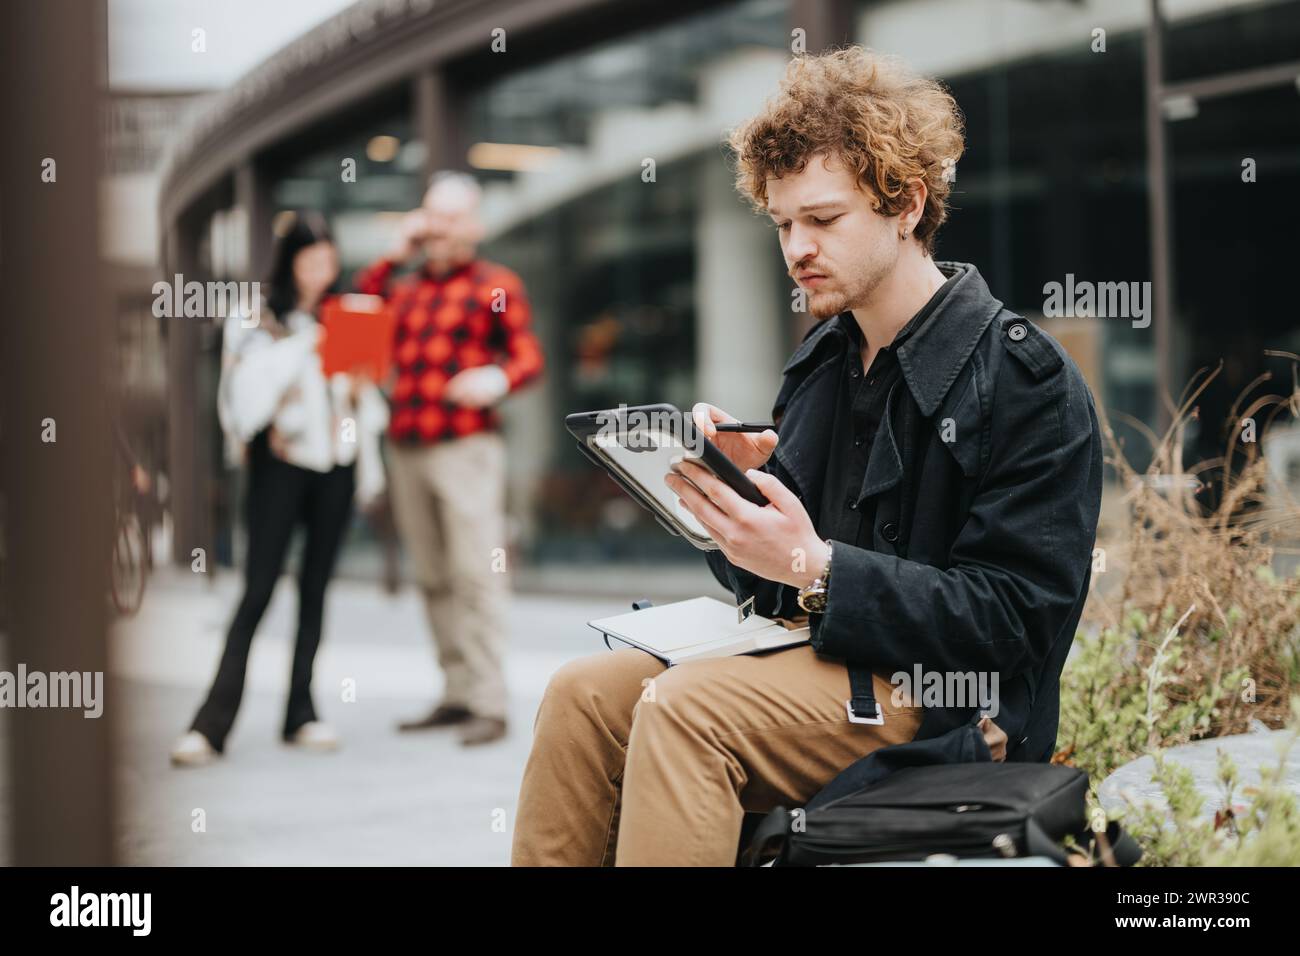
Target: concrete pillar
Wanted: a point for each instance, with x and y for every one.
(187, 476)
(253, 201)
(826, 23)
(439, 121)
(740, 317)
(57, 467)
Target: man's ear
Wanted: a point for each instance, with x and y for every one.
(917, 193)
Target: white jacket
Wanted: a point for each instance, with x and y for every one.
(271, 375)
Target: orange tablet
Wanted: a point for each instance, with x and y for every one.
(358, 335)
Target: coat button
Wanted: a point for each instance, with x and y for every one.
(1017, 331)
(889, 532)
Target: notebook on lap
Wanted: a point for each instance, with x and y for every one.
(698, 629)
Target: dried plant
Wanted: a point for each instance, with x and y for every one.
(1189, 632)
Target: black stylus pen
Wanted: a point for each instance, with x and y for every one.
(744, 426)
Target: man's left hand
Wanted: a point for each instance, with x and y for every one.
(777, 542)
(477, 387)
(995, 737)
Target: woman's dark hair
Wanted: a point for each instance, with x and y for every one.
(297, 231)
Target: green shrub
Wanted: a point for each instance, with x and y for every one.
(1264, 831)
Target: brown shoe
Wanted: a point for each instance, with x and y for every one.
(444, 715)
(482, 730)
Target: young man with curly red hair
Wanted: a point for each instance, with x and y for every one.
(933, 485)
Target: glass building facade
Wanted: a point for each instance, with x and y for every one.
(609, 191)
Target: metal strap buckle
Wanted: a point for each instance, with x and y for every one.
(854, 719)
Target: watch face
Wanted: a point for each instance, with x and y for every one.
(813, 601)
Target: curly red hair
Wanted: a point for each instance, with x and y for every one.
(885, 122)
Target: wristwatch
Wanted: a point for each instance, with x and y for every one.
(813, 597)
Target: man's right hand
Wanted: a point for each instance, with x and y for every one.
(410, 234)
(745, 449)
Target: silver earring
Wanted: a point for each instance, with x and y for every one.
(904, 236)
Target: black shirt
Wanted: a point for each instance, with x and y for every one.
(859, 409)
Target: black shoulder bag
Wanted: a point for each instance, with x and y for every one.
(967, 809)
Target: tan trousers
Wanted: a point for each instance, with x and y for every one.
(449, 506)
(641, 765)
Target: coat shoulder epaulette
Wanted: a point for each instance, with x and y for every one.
(1033, 347)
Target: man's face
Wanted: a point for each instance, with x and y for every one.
(836, 246)
(453, 228)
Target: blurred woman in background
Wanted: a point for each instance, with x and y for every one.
(304, 468)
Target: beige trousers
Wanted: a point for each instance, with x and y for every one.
(641, 765)
(449, 506)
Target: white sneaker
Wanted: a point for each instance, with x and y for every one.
(193, 750)
(315, 735)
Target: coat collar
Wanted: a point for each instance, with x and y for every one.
(934, 355)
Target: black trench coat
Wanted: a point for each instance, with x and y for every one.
(979, 561)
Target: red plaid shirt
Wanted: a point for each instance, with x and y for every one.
(475, 315)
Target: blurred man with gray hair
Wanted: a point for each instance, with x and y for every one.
(463, 342)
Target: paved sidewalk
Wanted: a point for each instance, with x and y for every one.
(384, 798)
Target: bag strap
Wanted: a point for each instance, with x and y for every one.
(768, 841)
(1038, 843)
(1115, 847)
(861, 705)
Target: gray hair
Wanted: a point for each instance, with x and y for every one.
(461, 182)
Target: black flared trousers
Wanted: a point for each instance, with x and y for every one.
(281, 496)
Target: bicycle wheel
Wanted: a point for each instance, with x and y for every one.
(127, 573)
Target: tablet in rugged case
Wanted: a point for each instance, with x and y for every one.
(636, 445)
